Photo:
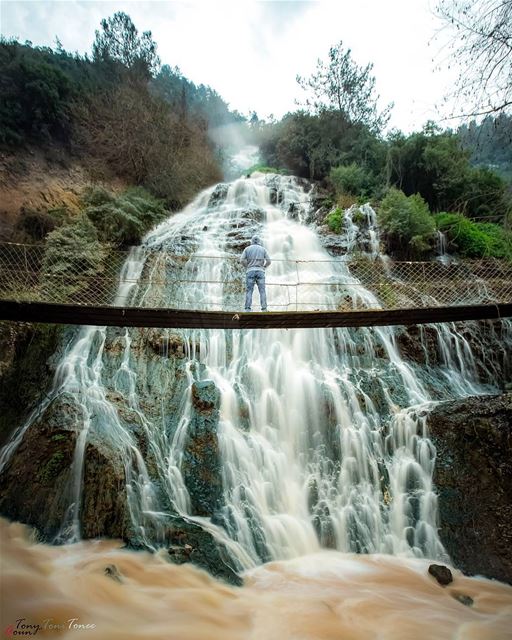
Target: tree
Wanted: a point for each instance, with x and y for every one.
(482, 47)
(341, 85)
(434, 164)
(119, 40)
(351, 179)
(406, 222)
(310, 145)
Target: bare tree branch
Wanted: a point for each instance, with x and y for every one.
(482, 48)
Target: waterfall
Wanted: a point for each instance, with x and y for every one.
(321, 433)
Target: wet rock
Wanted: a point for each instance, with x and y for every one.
(418, 343)
(188, 542)
(36, 486)
(473, 477)
(205, 396)
(467, 601)
(238, 239)
(201, 458)
(165, 344)
(26, 369)
(490, 342)
(104, 509)
(293, 210)
(113, 572)
(254, 213)
(334, 244)
(218, 196)
(322, 201)
(441, 573)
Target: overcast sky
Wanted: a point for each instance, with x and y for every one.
(250, 52)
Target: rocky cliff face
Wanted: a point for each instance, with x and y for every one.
(28, 354)
(37, 484)
(473, 475)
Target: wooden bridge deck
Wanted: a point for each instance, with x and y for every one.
(195, 319)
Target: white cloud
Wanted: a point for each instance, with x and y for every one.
(251, 52)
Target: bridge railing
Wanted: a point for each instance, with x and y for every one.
(155, 278)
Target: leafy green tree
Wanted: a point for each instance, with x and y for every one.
(435, 165)
(351, 179)
(311, 145)
(406, 223)
(341, 85)
(36, 95)
(119, 40)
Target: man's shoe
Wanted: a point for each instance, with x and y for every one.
(264, 309)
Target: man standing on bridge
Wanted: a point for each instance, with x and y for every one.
(255, 259)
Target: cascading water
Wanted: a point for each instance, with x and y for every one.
(321, 433)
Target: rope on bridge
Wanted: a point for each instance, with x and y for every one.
(152, 279)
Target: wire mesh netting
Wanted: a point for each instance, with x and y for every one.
(157, 279)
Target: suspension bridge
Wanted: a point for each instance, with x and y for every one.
(144, 288)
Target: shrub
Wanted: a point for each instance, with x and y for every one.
(406, 222)
(351, 179)
(124, 219)
(72, 261)
(500, 240)
(475, 240)
(334, 220)
(264, 169)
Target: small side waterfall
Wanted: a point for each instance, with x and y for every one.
(321, 432)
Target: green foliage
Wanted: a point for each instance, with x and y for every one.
(112, 111)
(435, 165)
(36, 95)
(406, 222)
(261, 168)
(311, 145)
(475, 240)
(58, 437)
(351, 179)
(124, 219)
(387, 293)
(334, 220)
(51, 468)
(119, 40)
(500, 240)
(73, 259)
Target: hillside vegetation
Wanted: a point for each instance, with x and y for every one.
(134, 123)
(116, 111)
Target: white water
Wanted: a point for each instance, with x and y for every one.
(322, 431)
